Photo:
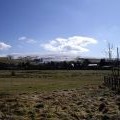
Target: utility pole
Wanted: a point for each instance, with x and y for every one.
(110, 48)
(110, 51)
(118, 59)
(117, 53)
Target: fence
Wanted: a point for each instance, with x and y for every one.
(112, 82)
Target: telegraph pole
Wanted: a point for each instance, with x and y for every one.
(110, 51)
(117, 53)
(118, 59)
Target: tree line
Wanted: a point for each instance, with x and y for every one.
(86, 64)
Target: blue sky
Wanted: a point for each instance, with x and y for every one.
(71, 27)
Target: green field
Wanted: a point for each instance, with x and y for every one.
(48, 80)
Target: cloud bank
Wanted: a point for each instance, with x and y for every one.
(4, 46)
(75, 44)
(27, 40)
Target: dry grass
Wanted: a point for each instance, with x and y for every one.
(85, 103)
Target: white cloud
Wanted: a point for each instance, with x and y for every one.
(105, 41)
(27, 40)
(22, 38)
(4, 46)
(75, 44)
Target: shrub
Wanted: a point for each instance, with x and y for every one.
(12, 73)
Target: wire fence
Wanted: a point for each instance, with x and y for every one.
(112, 82)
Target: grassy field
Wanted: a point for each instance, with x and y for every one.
(51, 95)
(48, 80)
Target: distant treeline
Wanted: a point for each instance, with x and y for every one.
(85, 64)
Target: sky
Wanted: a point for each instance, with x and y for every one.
(59, 27)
